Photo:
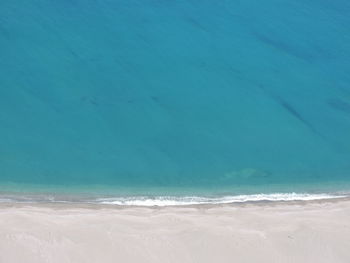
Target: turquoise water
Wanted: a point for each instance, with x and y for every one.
(154, 94)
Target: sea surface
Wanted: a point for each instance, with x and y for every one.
(123, 101)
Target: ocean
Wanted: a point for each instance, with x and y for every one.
(174, 102)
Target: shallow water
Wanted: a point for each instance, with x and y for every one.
(187, 94)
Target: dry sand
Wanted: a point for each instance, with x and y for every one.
(283, 232)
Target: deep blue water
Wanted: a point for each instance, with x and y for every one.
(156, 93)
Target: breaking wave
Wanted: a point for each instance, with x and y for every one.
(197, 200)
(149, 201)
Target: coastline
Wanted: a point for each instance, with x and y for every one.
(171, 196)
(293, 231)
(166, 200)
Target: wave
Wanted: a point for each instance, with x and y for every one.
(197, 200)
(169, 200)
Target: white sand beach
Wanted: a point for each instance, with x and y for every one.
(317, 231)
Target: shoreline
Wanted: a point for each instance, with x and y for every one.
(295, 231)
(96, 206)
(167, 200)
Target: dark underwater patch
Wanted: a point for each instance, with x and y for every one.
(196, 24)
(339, 104)
(284, 46)
(291, 110)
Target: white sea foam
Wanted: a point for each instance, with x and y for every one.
(196, 200)
(167, 200)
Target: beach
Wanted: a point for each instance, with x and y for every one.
(174, 131)
(297, 231)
